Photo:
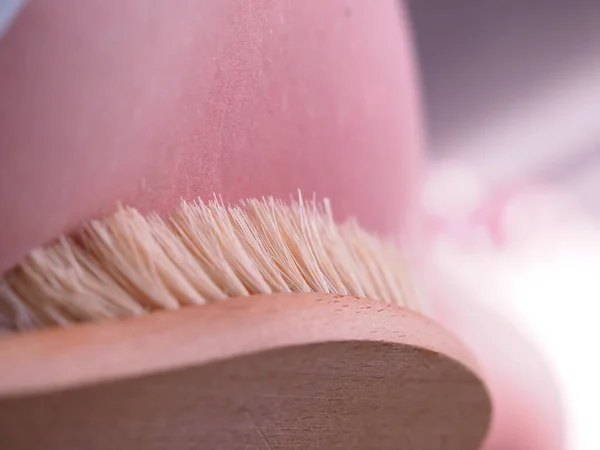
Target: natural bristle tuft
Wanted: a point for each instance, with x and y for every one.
(130, 264)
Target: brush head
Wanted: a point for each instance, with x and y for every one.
(129, 265)
(271, 327)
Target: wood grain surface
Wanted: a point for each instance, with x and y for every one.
(295, 371)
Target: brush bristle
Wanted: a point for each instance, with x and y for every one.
(130, 264)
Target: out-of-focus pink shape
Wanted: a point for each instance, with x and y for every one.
(475, 234)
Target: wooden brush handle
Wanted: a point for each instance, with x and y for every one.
(292, 371)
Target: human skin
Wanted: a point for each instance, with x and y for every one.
(145, 103)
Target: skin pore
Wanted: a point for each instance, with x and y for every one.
(145, 103)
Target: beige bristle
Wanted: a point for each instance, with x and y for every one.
(128, 264)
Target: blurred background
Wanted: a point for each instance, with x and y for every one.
(512, 102)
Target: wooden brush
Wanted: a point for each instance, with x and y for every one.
(257, 326)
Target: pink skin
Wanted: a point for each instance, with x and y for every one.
(243, 99)
(148, 102)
